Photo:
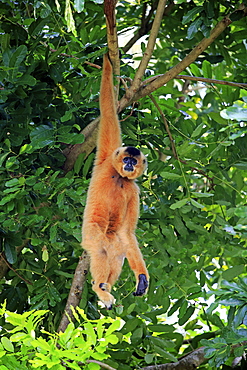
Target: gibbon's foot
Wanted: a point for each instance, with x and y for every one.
(142, 285)
(104, 287)
(102, 291)
(107, 299)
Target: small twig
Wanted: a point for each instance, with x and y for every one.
(132, 110)
(174, 151)
(203, 79)
(105, 366)
(212, 80)
(70, 56)
(15, 271)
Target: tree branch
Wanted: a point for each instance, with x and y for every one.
(104, 366)
(190, 58)
(75, 291)
(72, 152)
(188, 362)
(211, 80)
(149, 49)
(241, 85)
(146, 25)
(112, 38)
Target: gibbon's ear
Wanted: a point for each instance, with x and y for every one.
(129, 162)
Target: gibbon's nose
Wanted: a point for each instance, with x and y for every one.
(129, 163)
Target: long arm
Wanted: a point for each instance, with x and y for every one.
(109, 137)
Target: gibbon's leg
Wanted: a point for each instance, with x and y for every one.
(96, 244)
(100, 270)
(116, 259)
(138, 266)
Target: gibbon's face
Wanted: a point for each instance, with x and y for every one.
(129, 162)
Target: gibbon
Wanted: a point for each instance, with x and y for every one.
(112, 207)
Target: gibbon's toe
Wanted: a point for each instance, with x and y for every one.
(107, 299)
(142, 285)
(104, 287)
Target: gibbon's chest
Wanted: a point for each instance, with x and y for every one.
(121, 190)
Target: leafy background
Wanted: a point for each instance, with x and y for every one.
(192, 227)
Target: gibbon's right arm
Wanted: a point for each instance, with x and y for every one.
(109, 136)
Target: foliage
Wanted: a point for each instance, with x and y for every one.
(22, 348)
(193, 208)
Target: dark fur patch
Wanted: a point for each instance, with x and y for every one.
(132, 151)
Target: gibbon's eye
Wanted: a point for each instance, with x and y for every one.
(129, 163)
(144, 160)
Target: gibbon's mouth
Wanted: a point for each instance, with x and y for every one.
(128, 169)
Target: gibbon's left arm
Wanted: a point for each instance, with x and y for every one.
(109, 136)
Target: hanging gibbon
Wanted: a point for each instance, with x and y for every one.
(112, 208)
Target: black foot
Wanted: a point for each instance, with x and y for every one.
(142, 285)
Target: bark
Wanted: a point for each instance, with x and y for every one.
(75, 291)
(188, 362)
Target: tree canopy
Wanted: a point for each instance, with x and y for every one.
(181, 82)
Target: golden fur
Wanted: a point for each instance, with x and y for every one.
(112, 209)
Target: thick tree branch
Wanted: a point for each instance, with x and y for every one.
(75, 291)
(73, 151)
(189, 362)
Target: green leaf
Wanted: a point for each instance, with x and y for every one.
(191, 14)
(241, 211)
(207, 69)
(69, 18)
(93, 366)
(193, 28)
(79, 5)
(232, 272)
(170, 175)
(179, 203)
(189, 312)
(7, 344)
(198, 130)
(202, 195)
(196, 204)
(235, 112)
(18, 56)
(10, 253)
(42, 136)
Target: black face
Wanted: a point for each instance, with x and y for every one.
(129, 163)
